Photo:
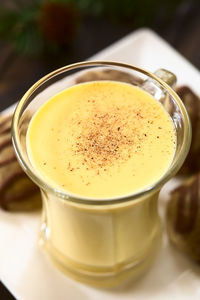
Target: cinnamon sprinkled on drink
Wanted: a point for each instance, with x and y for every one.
(106, 137)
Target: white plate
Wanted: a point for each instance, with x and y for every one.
(29, 275)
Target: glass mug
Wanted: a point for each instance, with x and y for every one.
(101, 242)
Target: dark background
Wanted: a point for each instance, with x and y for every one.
(18, 72)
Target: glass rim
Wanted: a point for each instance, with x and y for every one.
(99, 201)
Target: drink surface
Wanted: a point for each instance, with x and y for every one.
(101, 139)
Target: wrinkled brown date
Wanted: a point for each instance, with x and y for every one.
(192, 104)
(183, 217)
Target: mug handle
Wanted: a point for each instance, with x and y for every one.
(154, 88)
(167, 76)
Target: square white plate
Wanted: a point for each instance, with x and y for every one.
(29, 275)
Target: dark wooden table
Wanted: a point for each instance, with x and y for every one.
(18, 73)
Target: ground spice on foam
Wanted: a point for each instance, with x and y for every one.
(107, 137)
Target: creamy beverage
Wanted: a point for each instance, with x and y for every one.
(101, 140)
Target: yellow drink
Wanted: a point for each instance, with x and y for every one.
(101, 140)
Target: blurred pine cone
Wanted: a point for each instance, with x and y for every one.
(58, 22)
